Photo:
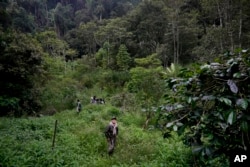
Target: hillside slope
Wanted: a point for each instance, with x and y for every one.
(80, 141)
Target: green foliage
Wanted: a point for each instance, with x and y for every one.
(105, 56)
(126, 101)
(104, 45)
(112, 81)
(150, 61)
(183, 31)
(124, 61)
(101, 57)
(21, 64)
(59, 94)
(63, 18)
(149, 25)
(51, 44)
(147, 83)
(209, 105)
(80, 141)
(116, 27)
(21, 20)
(173, 70)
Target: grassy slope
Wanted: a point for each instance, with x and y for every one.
(80, 141)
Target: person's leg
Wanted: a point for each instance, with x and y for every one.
(111, 146)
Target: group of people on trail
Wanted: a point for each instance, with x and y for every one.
(94, 100)
(97, 100)
(110, 132)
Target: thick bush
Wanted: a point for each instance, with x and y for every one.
(210, 106)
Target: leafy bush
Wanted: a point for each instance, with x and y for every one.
(124, 100)
(21, 64)
(59, 94)
(211, 104)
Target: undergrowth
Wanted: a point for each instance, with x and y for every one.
(80, 141)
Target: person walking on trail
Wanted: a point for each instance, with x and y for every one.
(111, 132)
(78, 106)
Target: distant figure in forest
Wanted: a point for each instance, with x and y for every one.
(100, 101)
(97, 100)
(78, 106)
(111, 132)
(93, 99)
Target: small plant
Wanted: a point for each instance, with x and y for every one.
(172, 71)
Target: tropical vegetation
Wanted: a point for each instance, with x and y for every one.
(175, 73)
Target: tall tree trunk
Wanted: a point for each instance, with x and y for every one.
(221, 25)
(240, 25)
(47, 13)
(231, 40)
(177, 44)
(174, 41)
(100, 17)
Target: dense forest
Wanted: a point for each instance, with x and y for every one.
(182, 65)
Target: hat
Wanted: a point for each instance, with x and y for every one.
(113, 118)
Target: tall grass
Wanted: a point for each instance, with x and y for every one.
(80, 141)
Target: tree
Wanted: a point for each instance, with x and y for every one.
(223, 28)
(38, 9)
(123, 59)
(21, 65)
(147, 84)
(113, 31)
(86, 33)
(63, 19)
(148, 23)
(52, 44)
(5, 20)
(21, 20)
(99, 10)
(150, 61)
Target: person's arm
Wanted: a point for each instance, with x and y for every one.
(106, 132)
(116, 130)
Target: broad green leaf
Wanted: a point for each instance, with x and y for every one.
(223, 125)
(169, 124)
(197, 149)
(244, 126)
(189, 100)
(232, 85)
(237, 75)
(230, 61)
(175, 127)
(242, 103)
(206, 66)
(225, 100)
(209, 97)
(179, 106)
(231, 118)
(179, 123)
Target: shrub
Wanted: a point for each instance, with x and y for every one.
(211, 105)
